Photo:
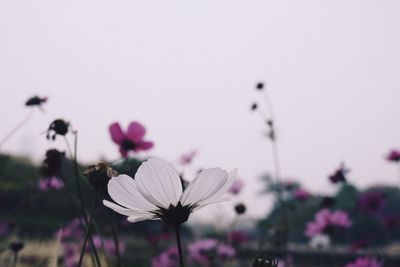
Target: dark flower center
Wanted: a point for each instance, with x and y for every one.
(174, 215)
(128, 144)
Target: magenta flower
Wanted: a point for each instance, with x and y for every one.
(300, 194)
(237, 237)
(236, 187)
(393, 155)
(109, 245)
(168, 258)
(52, 183)
(371, 201)
(131, 140)
(203, 250)
(325, 218)
(340, 219)
(4, 229)
(186, 159)
(364, 262)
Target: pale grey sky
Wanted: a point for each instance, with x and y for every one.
(186, 69)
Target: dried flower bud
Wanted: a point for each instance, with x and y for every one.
(240, 208)
(254, 106)
(51, 165)
(260, 86)
(57, 127)
(99, 175)
(35, 101)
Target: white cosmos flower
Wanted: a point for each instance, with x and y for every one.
(156, 192)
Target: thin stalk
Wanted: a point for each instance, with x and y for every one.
(16, 128)
(73, 157)
(115, 238)
(87, 234)
(178, 243)
(15, 259)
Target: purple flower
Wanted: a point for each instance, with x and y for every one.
(131, 140)
(340, 219)
(236, 187)
(186, 159)
(203, 250)
(237, 237)
(300, 194)
(364, 262)
(53, 183)
(339, 176)
(393, 155)
(109, 245)
(4, 229)
(168, 258)
(371, 201)
(325, 218)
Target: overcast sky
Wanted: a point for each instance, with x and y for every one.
(187, 69)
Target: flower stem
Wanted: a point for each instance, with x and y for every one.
(16, 128)
(87, 234)
(178, 243)
(116, 239)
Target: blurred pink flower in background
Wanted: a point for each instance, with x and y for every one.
(168, 258)
(187, 159)
(236, 187)
(4, 229)
(301, 194)
(71, 230)
(364, 262)
(202, 250)
(393, 155)
(237, 237)
(131, 140)
(371, 201)
(340, 218)
(325, 218)
(52, 183)
(109, 245)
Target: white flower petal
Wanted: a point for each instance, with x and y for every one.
(204, 186)
(123, 190)
(124, 211)
(218, 194)
(159, 182)
(209, 202)
(139, 218)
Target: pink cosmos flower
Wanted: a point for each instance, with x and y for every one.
(52, 183)
(237, 237)
(109, 245)
(300, 194)
(371, 201)
(4, 229)
(186, 159)
(131, 140)
(200, 251)
(340, 218)
(393, 155)
(364, 262)
(168, 258)
(325, 218)
(236, 187)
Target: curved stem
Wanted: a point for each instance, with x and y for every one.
(178, 243)
(16, 128)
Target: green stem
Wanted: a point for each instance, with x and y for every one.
(178, 243)
(80, 194)
(116, 240)
(87, 234)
